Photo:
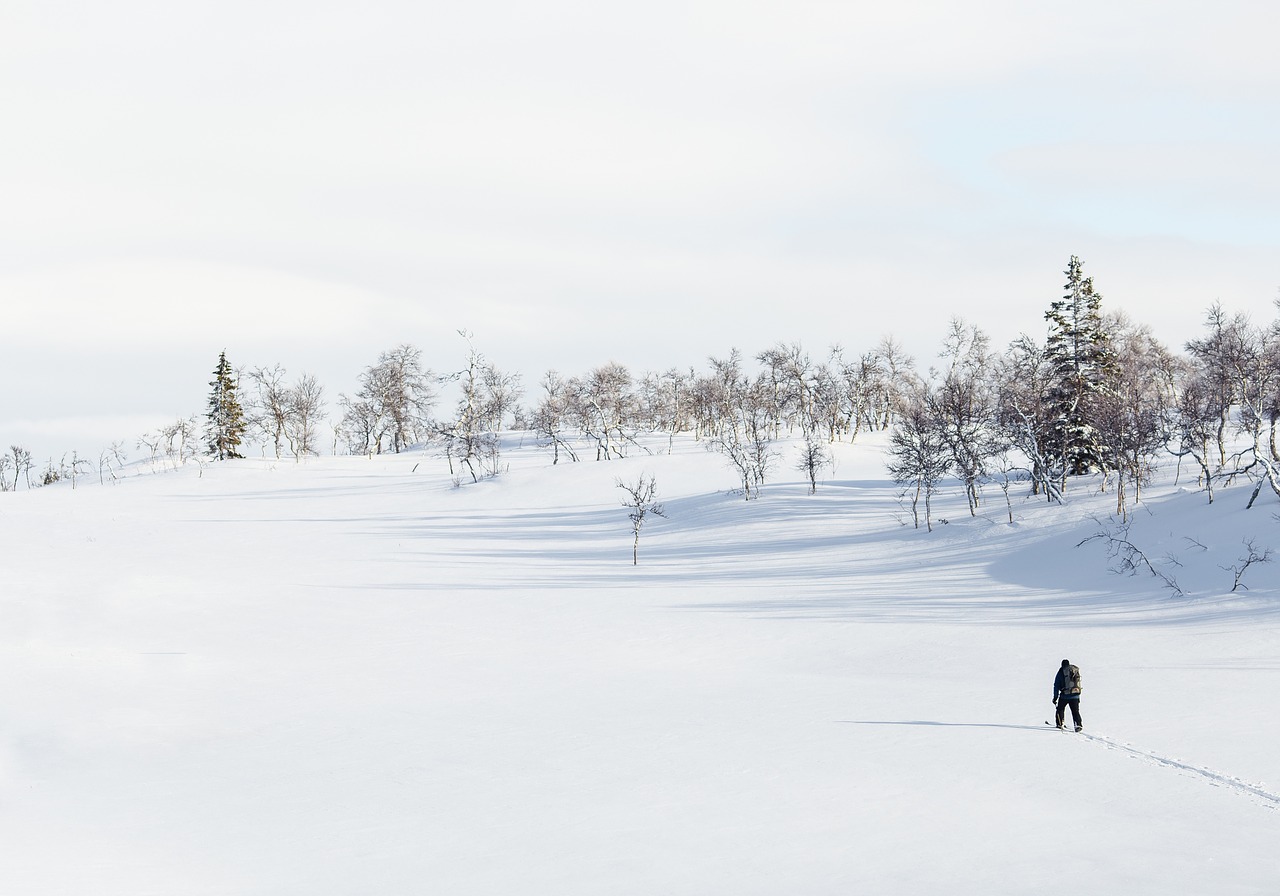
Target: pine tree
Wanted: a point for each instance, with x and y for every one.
(226, 425)
(1083, 364)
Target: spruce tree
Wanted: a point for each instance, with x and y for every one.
(1083, 365)
(226, 424)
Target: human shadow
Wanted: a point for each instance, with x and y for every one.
(929, 724)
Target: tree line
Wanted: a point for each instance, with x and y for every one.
(1098, 397)
(1101, 395)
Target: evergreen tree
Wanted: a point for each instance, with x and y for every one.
(226, 425)
(1083, 366)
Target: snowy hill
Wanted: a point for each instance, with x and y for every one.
(350, 676)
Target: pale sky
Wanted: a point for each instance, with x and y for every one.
(311, 183)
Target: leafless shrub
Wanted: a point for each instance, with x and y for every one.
(1254, 555)
(1127, 558)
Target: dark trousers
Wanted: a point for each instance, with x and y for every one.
(1062, 709)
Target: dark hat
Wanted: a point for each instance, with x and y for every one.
(1066, 662)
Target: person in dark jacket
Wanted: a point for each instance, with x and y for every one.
(1066, 692)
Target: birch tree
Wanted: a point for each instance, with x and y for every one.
(641, 503)
(918, 456)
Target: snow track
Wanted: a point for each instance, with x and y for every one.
(1212, 778)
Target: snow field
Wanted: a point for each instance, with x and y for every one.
(344, 676)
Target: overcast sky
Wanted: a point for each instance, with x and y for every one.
(311, 183)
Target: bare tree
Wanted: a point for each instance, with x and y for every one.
(896, 383)
(22, 463)
(963, 406)
(1267, 474)
(1132, 416)
(550, 415)
(110, 461)
(471, 438)
(724, 392)
(918, 456)
(1223, 357)
(847, 393)
(679, 385)
(153, 442)
(1269, 400)
(1004, 470)
(785, 385)
(743, 436)
(1025, 415)
(407, 394)
(1192, 425)
(361, 425)
(267, 404)
(392, 405)
(172, 442)
(304, 406)
(286, 415)
(1257, 380)
(641, 502)
(1239, 371)
(815, 456)
(663, 402)
(826, 400)
(605, 406)
(77, 468)
(179, 440)
(502, 393)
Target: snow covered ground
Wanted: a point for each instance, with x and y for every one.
(347, 676)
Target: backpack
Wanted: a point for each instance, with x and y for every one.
(1071, 682)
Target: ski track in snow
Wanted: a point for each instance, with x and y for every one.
(1214, 779)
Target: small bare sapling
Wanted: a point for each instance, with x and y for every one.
(641, 502)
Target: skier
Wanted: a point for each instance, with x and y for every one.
(1066, 690)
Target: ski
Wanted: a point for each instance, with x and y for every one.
(1064, 727)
